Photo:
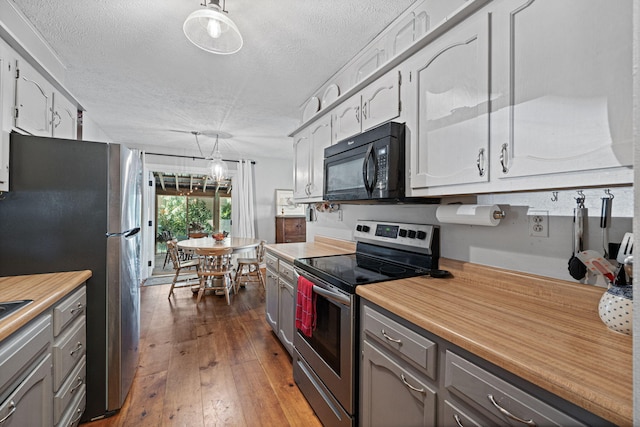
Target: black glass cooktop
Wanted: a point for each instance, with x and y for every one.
(349, 271)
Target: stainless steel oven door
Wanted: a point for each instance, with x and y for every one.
(329, 351)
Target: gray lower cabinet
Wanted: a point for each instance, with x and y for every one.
(411, 377)
(280, 299)
(393, 394)
(43, 368)
(25, 376)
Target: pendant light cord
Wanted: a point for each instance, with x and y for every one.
(215, 146)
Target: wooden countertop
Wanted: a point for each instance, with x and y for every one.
(544, 330)
(44, 289)
(322, 246)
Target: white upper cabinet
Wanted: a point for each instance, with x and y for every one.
(65, 118)
(39, 108)
(4, 136)
(34, 101)
(562, 87)
(450, 144)
(308, 152)
(375, 104)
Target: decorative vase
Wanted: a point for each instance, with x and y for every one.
(616, 308)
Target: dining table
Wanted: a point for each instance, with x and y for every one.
(239, 244)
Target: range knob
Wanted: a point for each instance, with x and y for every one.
(358, 227)
(365, 228)
(402, 232)
(421, 235)
(412, 234)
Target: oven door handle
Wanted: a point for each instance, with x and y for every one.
(332, 295)
(337, 297)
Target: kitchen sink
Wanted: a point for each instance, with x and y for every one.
(8, 307)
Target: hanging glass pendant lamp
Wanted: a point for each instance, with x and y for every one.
(212, 30)
(217, 167)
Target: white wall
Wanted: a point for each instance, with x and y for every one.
(636, 220)
(507, 245)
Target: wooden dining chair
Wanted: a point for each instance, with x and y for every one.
(215, 269)
(249, 268)
(180, 265)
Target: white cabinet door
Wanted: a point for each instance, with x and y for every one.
(377, 103)
(451, 145)
(301, 167)
(562, 82)
(308, 154)
(320, 136)
(4, 136)
(34, 98)
(347, 118)
(65, 118)
(381, 100)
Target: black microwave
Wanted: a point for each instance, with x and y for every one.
(367, 167)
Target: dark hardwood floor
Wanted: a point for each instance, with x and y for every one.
(210, 365)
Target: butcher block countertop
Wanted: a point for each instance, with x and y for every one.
(546, 331)
(44, 289)
(322, 246)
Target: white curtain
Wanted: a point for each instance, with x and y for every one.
(243, 201)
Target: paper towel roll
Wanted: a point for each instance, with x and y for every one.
(470, 214)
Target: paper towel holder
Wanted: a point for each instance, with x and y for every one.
(485, 215)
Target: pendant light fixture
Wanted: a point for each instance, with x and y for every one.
(217, 167)
(212, 30)
(218, 170)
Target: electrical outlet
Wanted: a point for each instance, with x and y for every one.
(538, 223)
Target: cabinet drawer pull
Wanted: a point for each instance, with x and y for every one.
(509, 414)
(79, 383)
(78, 348)
(503, 158)
(480, 162)
(458, 421)
(79, 307)
(13, 407)
(384, 334)
(76, 419)
(404, 380)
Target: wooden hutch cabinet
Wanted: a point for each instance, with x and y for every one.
(290, 229)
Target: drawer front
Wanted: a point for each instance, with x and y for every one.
(71, 308)
(454, 416)
(71, 418)
(414, 347)
(68, 350)
(22, 349)
(286, 272)
(70, 389)
(477, 386)
(272, 262)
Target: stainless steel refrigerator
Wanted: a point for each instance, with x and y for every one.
(76, 205)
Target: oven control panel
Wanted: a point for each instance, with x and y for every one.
(420, 237)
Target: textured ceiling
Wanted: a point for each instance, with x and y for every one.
(129, 64)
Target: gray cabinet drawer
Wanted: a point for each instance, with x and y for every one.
(21, 350)
(68, 350)
(71, 418)
(69, 389)
(414, 347)
(272, 262)
(286, 271)
(475, 385)
(68, 310)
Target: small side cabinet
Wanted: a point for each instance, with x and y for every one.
(291, 229)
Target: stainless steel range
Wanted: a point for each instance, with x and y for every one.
(325, 365)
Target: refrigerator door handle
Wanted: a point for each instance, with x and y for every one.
(125, 233)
